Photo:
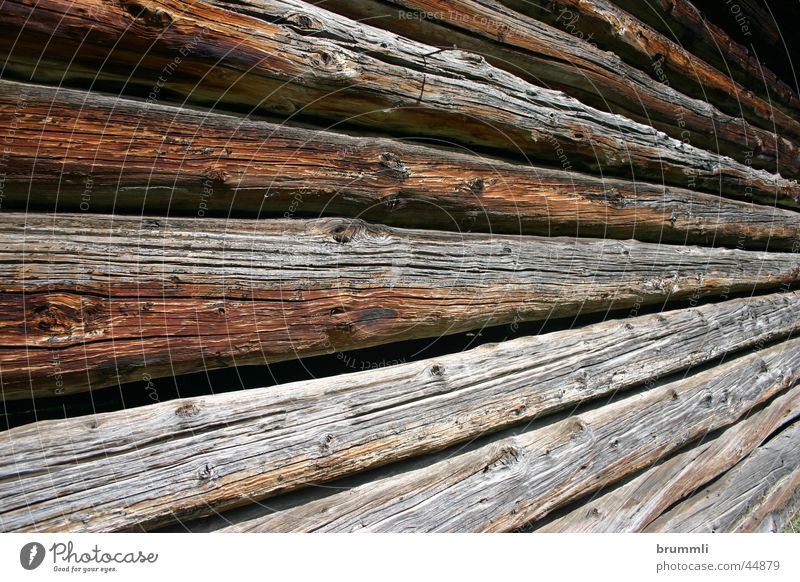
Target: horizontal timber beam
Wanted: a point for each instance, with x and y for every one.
(406, 89)
(93, 300)
(74, 151)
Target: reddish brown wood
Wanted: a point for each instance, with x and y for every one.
(88, 301)
(163, 48)
(84, 152)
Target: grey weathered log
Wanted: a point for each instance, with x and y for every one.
(407, 88)
(93, 300)
(777, 513)
(632, 506)
(164, 159)
(681, 21)
(193, 456)
(546, 55)
(740, 500)
(513, 479)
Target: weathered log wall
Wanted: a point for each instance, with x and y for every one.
(542, 54)
(742, 499)
(634, 505)
(404, 88)
(191, 185)
(512, 480)
(257, 444)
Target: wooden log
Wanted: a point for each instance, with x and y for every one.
(263, 442)
(777, 513)
(209, 55)
(511, 480)
(632, 506)
(740, 500)
(93, 153)
(545, 55)
(177, 295)
(682, 22)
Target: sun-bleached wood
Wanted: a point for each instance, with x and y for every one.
(632, 506)
(511, 480)
(743, 498)
(554, 58)
(152, 465)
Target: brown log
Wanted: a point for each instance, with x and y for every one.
(744, 497)
(212, 56)
(632, 506)
(545, 55)
(513, 479)
(86, 152)
(255, 444)
(681, 21)
(92, 300)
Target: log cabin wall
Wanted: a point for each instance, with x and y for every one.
(479, 265)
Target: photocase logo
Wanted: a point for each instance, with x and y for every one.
(31, 555)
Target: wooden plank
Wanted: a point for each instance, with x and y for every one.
(92, 153)
(511, 480)
(681, 21)
(742, 498)
(113, 470)
(93, 300)
(409, 89)
(632, 506)
(548, 56)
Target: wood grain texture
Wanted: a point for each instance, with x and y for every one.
(405, 88)
(512, 480)
(148, 466)
(548, 56)
(95, 300)
(73, 151)
(744, 497)
(682, 22)
(632, 506)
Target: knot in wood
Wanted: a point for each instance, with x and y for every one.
(345, 233)
(150, 16)
(187, 410)
(303, 23)
(476, 185)
(329, 60)
(55, 317)
(392, 167)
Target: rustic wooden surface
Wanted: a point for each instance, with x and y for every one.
(547, 56)
(86, 152)
(632, 506)
(511, 480)
(681, 21)
(194, 456)
(305, 153)
(96, 300)
(406, 88)
(742, 498)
